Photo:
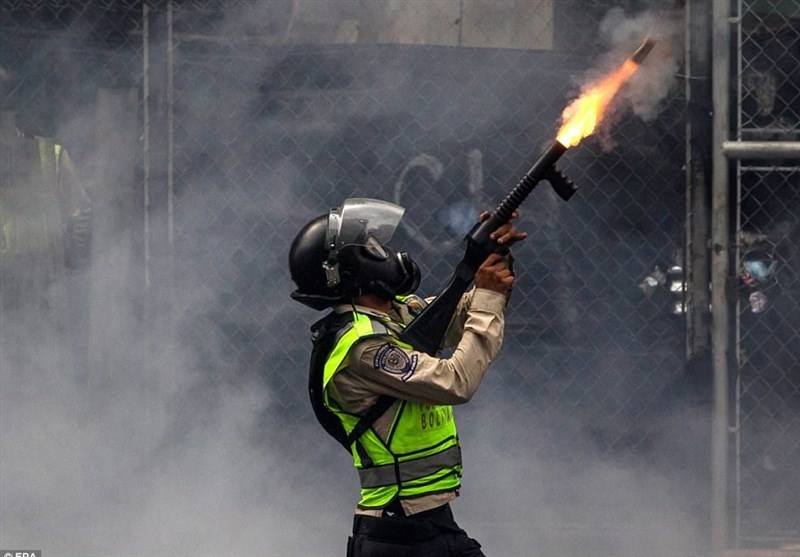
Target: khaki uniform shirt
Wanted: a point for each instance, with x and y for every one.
(476, 332)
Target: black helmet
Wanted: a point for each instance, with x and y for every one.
(344, 254)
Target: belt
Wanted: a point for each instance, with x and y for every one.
(406, 529)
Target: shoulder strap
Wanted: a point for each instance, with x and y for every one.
(381, 405)
(324, 335)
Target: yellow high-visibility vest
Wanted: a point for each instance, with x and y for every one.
(421, 454)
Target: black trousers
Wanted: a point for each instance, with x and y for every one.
(432, 533)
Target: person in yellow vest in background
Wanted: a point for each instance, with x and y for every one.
(53, 173)
(388, 404)
(45, 238)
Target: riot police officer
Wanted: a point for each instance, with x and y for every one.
(388, 404)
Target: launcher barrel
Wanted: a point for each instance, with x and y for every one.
(426, 331)
(643, 50)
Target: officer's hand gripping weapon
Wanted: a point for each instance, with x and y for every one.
(426, 332)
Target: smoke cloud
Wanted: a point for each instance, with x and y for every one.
(645, 93)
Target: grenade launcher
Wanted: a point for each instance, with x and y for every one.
(427, 330)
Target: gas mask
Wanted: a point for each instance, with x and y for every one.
(359, 258)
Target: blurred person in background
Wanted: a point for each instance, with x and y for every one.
(45, 239)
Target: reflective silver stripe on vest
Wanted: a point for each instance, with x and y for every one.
(385, 475)
(341, 332)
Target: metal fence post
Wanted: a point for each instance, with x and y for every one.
(720, 267)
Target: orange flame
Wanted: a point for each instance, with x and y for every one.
(581, 117)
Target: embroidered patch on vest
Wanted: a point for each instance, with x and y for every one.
(392, 359)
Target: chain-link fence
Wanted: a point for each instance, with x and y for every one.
(768, 324)
(768, 79)
(207, 133)
(768, 384)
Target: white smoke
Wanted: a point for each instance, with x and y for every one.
(655, 80)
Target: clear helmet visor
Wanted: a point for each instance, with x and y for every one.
(363, 222)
